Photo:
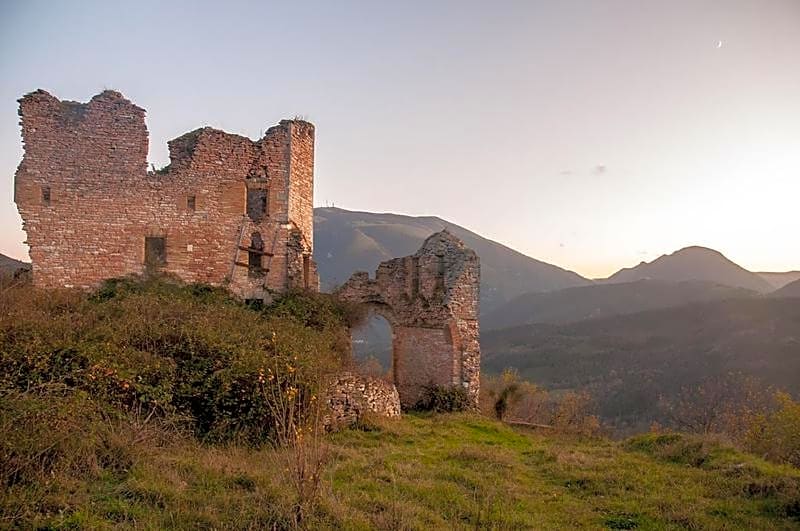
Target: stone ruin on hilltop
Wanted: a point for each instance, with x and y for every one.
(226, 211)
(430, 299)
(232, 212)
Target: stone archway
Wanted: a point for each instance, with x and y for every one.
(430, 300)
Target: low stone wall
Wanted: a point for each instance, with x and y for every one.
(351, 395)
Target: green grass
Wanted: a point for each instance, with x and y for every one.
(456, 471)
(134, 408)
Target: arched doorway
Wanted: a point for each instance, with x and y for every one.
(372, 345)
(430, 300)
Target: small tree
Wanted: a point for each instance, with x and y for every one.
(724, 405)
(776, 434)
(505, 392)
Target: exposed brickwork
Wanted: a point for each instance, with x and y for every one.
(431, 301)
(88, 202)
(350, 396)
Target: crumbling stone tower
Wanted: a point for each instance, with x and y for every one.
(430, 299)
(226, 211)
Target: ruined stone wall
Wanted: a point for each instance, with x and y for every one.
(351, 396)
(88, 202)
(431, 301)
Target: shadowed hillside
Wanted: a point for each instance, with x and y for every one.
(779, 280)
(627, 362)
(605, 300)
(694, 263)
(347, 241)
(789, 290)
(9, 265)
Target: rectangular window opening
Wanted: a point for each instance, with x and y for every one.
(46, 195)
(191, 203)
(155, 251)
(414, 276)
(306, 270)
(257, 203)
(440, 270)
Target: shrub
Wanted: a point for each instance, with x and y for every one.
(510, 398)
(504, 392)
(776, 434)
(171, 350)
(443, 399)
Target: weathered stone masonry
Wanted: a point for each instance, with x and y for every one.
(226, 211)
(430, 299)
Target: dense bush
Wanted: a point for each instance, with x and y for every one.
(508, 397)
(172, 351)
(750, 415)
(775, 434)
(443, 399)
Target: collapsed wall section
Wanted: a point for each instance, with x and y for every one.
(431, 301)
(226, 211)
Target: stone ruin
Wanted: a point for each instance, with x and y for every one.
(226, 211)
(430, 300)
(233, 212)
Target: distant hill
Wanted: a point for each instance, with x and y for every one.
(789, 290)
(10, 265)
(605, 300)
(347, 241)
(694, 263)
(779, 280)
(628, 361)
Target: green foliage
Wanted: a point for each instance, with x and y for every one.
(504, 391)
(775, 434)
(109, 406)
(511, 398)
(173, 350)
(443, 399)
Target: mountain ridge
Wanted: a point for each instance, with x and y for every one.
(606, 300)
(693, 263)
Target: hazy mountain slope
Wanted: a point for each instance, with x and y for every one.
(779, 280)
(627, 362)
(347, 241)
(789, 290)
(9, 265)
(694, 263)
(604, 300)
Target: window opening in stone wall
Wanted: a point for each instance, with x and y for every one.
(46, 195)
(414, 276)
(256, 203)
(191, 203)
(440, 272)
(306, 270)
(155, 251)
(372, 346)
(255, 254)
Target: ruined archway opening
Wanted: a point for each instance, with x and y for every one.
(372, 346)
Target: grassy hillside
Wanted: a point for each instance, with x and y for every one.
(447, 471)
(149, 406)
(628, 362)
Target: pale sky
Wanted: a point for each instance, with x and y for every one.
(588, 134)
